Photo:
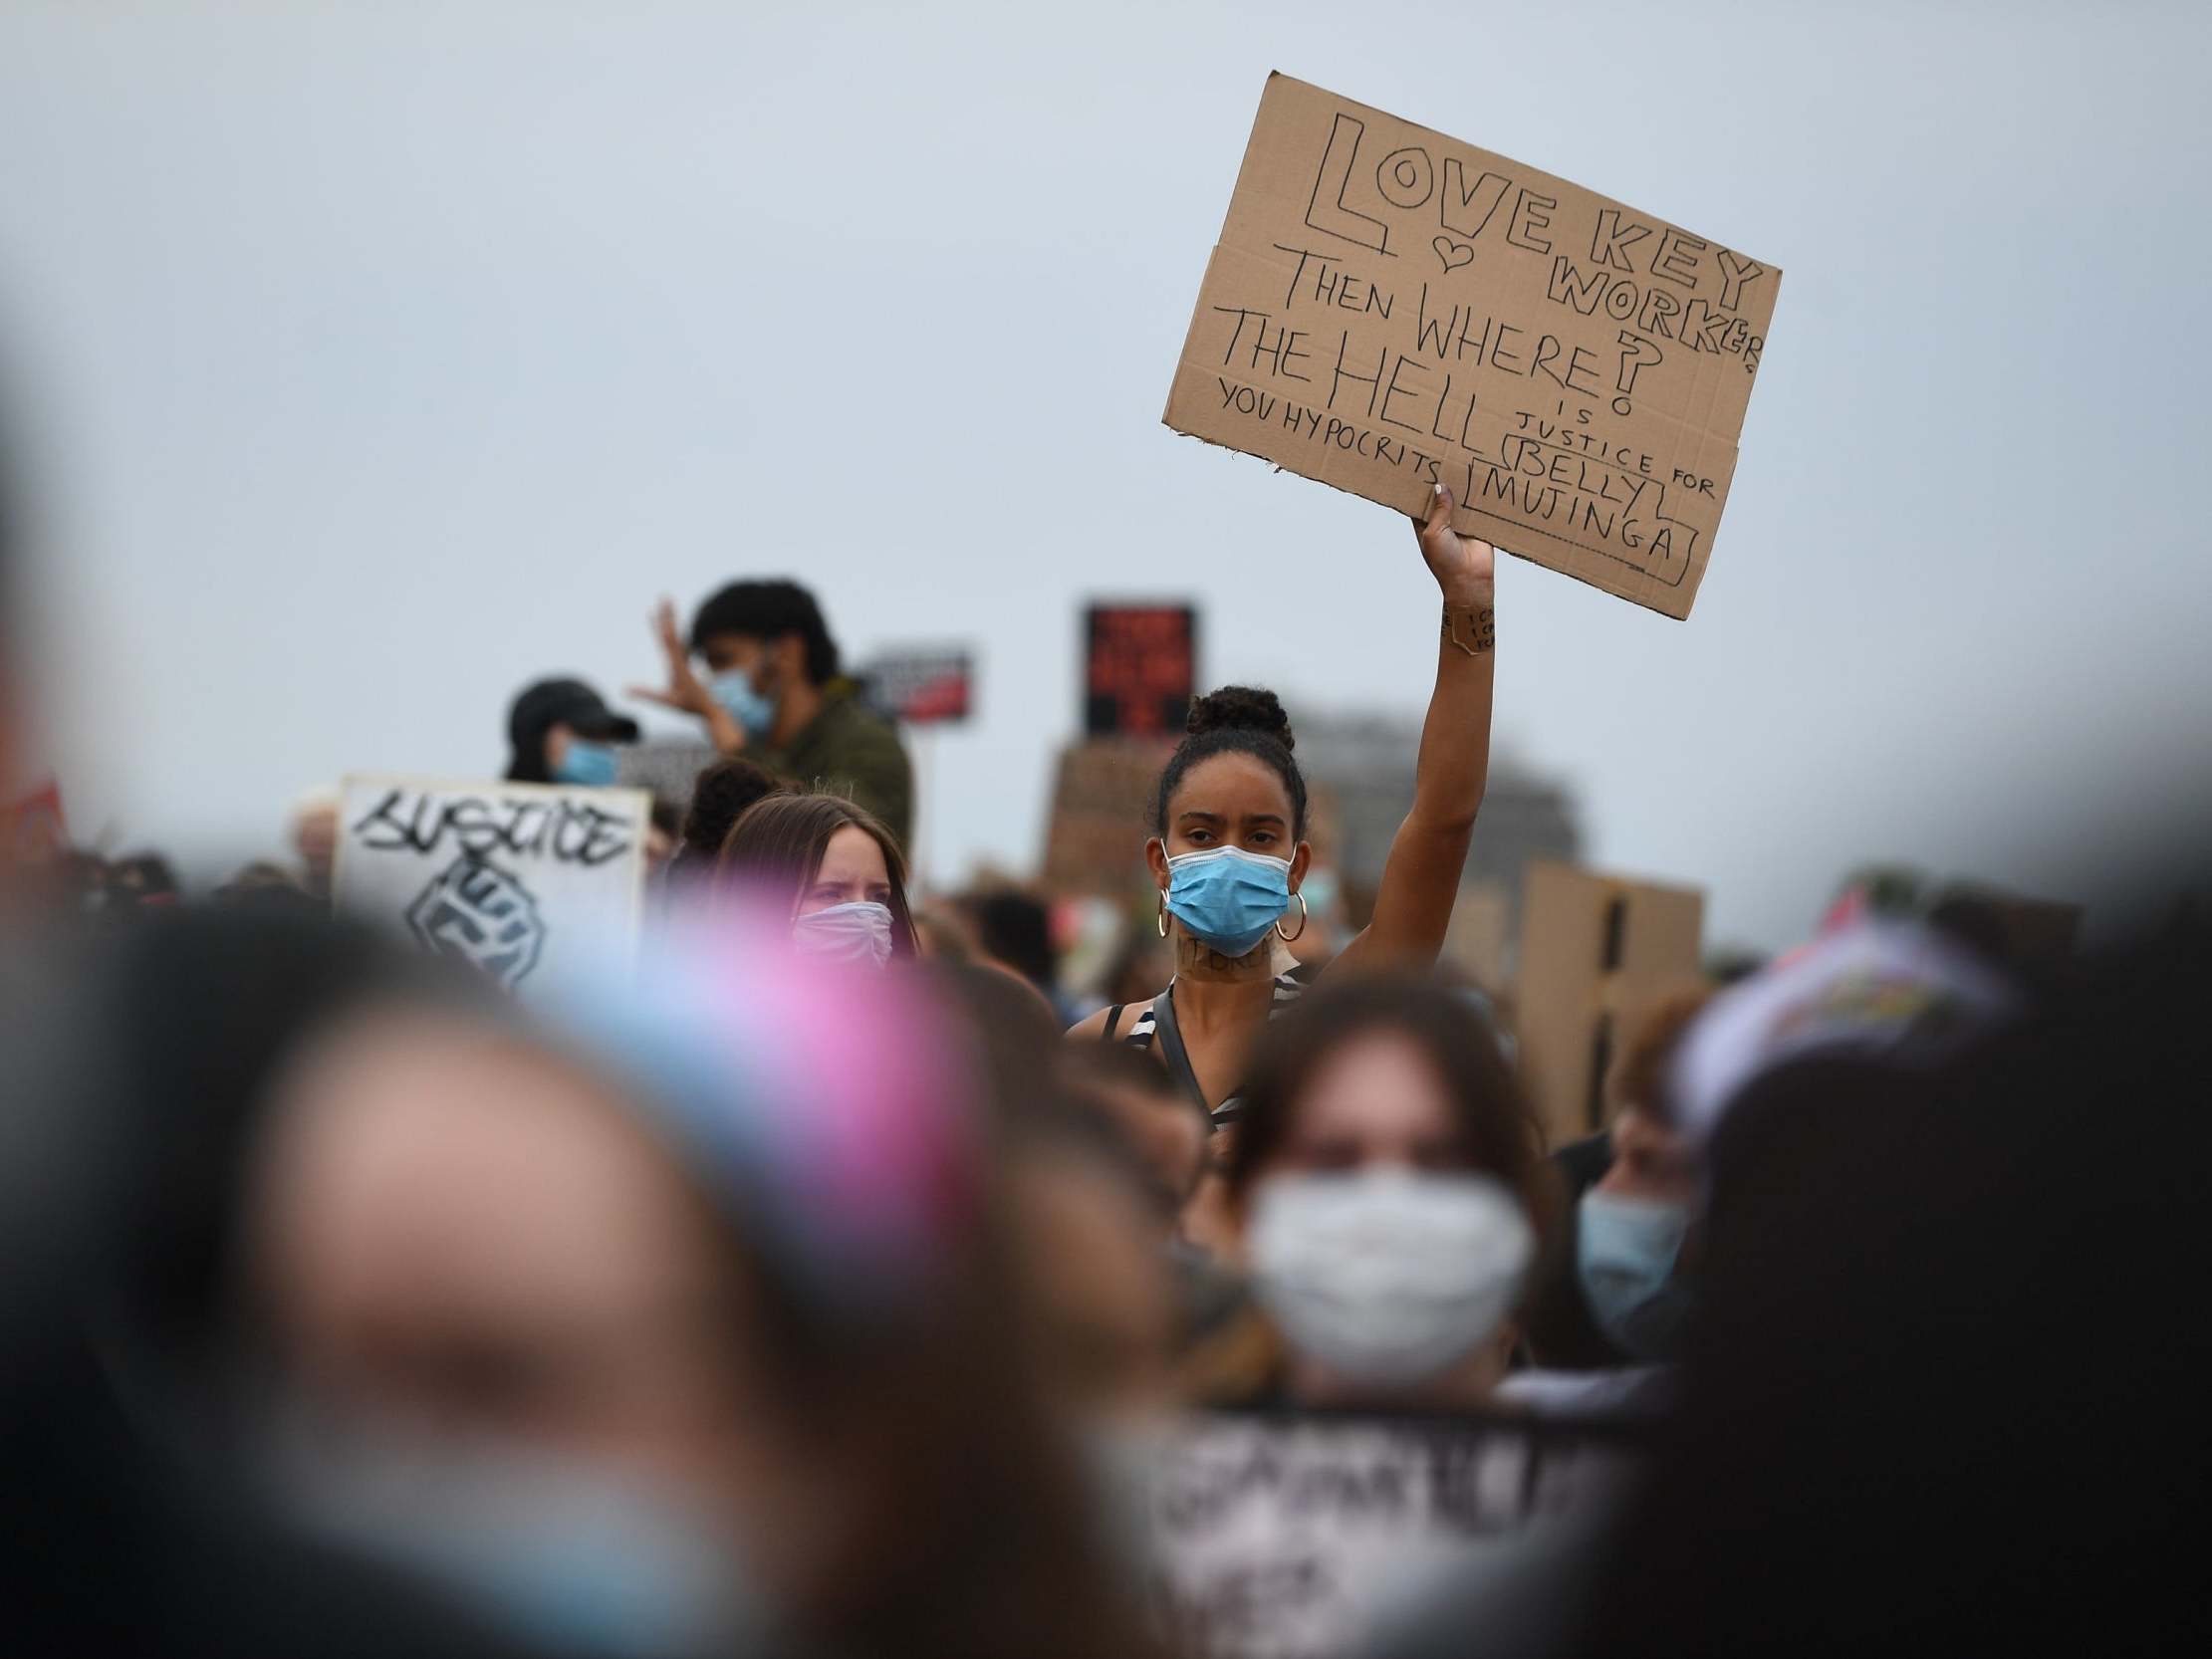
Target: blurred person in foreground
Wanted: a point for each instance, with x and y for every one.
(825, 869)
(1388, 1187)
(775, 689)
(1228, 852)
(1616, 1294)
(1102, 1156)
(112, 1541)
(1918, 1182)
(1171, 1148)
(729, 1253)
(1090, 1246)
(560, 731)
(1164, 1129)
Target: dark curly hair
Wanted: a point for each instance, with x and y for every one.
(722, 793)
(767, 611)
(1235, 720)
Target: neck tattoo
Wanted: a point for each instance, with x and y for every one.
(1195, 959)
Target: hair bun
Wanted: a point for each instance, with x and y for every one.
(1240, 708)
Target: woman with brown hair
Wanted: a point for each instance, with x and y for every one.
(726, 1339)
(830, 867)
(1389, 1194)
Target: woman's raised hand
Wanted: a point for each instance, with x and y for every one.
(1464, 567)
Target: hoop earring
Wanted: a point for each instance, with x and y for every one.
(1302, 918)
(1163, 915)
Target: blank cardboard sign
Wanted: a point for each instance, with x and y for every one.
(1389, 308)
(1597, 954)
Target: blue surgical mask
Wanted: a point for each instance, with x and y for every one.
(546, 1552)
(1228, 897)
(1625, 1250)
(591, 764)
(753, 710)
(845, 933)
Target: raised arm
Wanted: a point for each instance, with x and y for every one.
(1420, 879)
(687, 693)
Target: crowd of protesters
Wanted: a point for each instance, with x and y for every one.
(829, 1284)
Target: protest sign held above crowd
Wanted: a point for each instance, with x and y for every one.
(1389, 310)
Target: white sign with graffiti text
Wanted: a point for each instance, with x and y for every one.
(1284, 1535)
(529, 884)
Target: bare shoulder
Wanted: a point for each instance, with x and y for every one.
(1091, 1027)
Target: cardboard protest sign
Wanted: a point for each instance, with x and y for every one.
(1286, 1536)
(921, 685)
(1389, 308)
(524, 883)
(1598, 952)
(1479, 934)
(1095, 829)
(1139, 668)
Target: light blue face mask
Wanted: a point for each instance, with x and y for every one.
(590, 763)
(1228, 897)
(754, 712)
(1625, 1250)
(545, 1551)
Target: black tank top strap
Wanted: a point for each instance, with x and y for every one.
(1156, 1021)
(1173, 1050)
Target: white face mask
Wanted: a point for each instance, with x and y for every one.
(1390, 1277)
(845, 933)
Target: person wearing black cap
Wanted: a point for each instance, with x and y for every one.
(775, 691)
(563, 732)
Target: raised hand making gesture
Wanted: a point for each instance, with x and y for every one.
(686, 692)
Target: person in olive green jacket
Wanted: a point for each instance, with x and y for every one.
(774, 691)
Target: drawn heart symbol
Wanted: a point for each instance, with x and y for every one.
(1453, 254)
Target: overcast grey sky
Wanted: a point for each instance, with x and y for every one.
(382, 357)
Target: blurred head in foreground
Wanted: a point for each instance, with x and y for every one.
(717, 1245)
(1166, 1130)
(1087, 1217)
(1893, 1428)
(1106, 1311)
(1389, 1183)
(832, 868)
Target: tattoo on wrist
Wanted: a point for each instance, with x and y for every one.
(1473, 628)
